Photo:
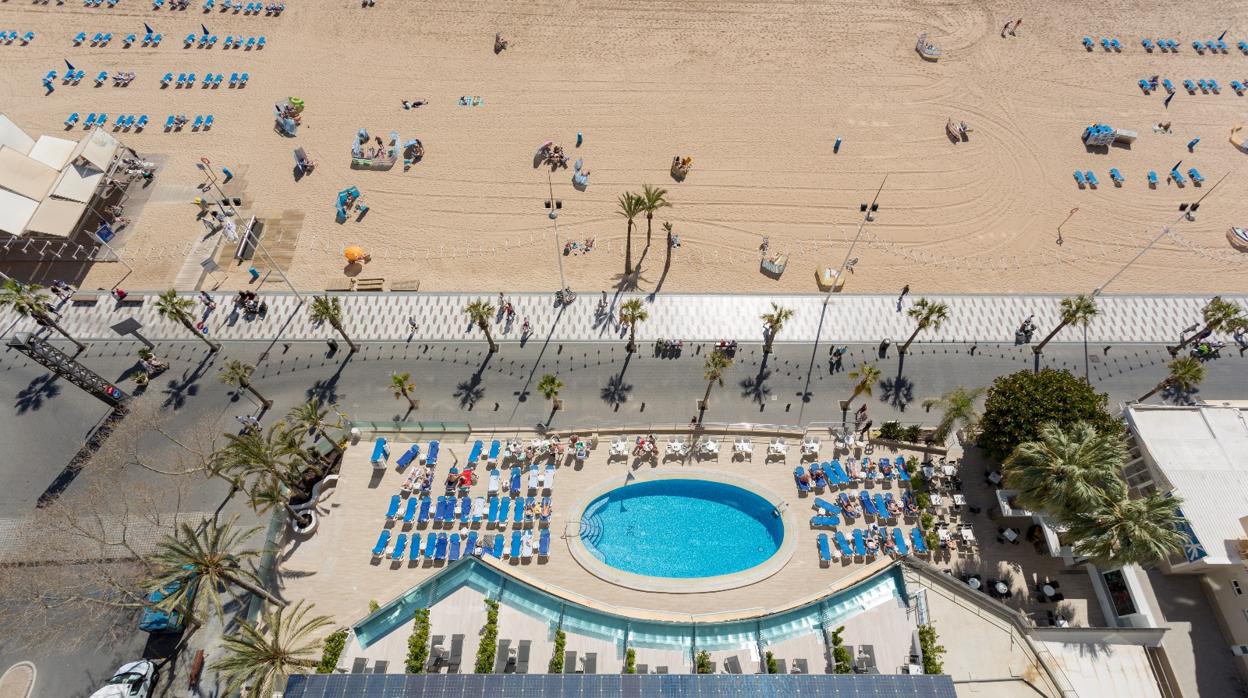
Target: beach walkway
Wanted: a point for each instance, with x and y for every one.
(846, 319)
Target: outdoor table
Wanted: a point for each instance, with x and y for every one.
(968, 535)
(994, 477)
(948, 470)
(959, 500)
(1010, 534)
(1002, 589)
(929, 472)
(973, 582)
(1048, 590)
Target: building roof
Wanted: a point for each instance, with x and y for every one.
(1201, 453)
(15, 212)
(53, 152)
(22, 175)
(12, 136)
(98, 148)
(78, 182)
(56, 217)
(1105, 670)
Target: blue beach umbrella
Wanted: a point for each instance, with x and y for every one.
(205, 28)
(149, 29)
(69, 65)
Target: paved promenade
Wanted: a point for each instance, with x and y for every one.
(847, 319)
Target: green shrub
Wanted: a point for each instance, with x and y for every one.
(931, 651)
(773, 667)
(556, 661)
(912, 433)
(1020, 403)
(843, 662)
(890, 431)
(630, 661)
(489, 639)
(703, 661)
(373, 606)
(333, 650)
(418, 643)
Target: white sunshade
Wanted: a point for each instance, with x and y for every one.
(53, 152)
(56, 217)
(97, 148)
(78, 183)
(15, 211)
(12, 136)
(27, 177)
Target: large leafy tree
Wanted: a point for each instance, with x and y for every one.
(1185, 374)
(258, 658)
(329, 309)
(957, 409)
(633, 311)
(774, 322)
(276, 453)
(1067, 470)
(652, 199)
(630, 205)
(237, 374)
(29, 300)
(864, 378)
(927, 315)
(713, 372)
(1141, 531)
(1219, 316)
(1018, 405)
(171, 306)
(1076, 310)
(480, 313)
(311, 416)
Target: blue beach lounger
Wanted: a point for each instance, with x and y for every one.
(199, 121)
(439, 550)
(392, 512)
(475, 454)
(169, 123)
(517, 513)
(430, 543)
(916, 539)
(880, 510)
(797, 479)
(470, 543)
(1243, 46)
(1213, 85)
(515, 480)
(260, 42)
(1168, 85)
(1092, 180)
(99, 79)
(1147, 44)
(1204, 86)
(423, 516)
(400, 547)
(837, 473)
(1105, 43)
(1177, 177)
(825, 506)
(1115, 175)
(543, 543)
(383, 542)
(1195, 175)
(843, 544)
(492, 516)
(414, 554)
(825, 550)
(1152, 178)
(410, 513)
(1237, 86)
(1191, 86)
(515, 545)
(465, 509)
(432, 457)
(1146, 86)
(380, 452)
(1079, 178)
(824, 521)
(1087, 42)
(899, 539)
(868, 507)
(408, 456)
(1200, 47)
(844, 500)
(499, 542)
(504, 508)
(454, 549)
(545, 503)
(73, 119)
(860, 548)
(888, 499)
(495, 447)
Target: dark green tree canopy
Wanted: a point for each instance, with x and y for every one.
(1019, 404)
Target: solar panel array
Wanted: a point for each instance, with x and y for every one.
(613, 686)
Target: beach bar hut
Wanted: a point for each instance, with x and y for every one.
(1104, 134)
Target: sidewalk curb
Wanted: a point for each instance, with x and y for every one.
(8, 689)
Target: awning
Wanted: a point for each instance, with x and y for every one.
(12, 136)
(56, 217)
(78, 183)
(15, 212)
(30, 178)
(53, 152)
(98, 148)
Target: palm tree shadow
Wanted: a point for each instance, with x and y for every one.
(616, 391)
(39, 390)
(897, 391)
(470, 391)
(522, 395)
(326, 389)
(1179, 397)
(755, 388)
(187, 386)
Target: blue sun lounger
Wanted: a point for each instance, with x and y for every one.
(411, 454)
(1152, 178)
(1147, 44)
(1199, 46)
(470, 543)
(423, 516)
(545, 503)
(169, 123)
(233, 79)
(1115, 175)
(195, 126)
(1177, 177)
(431, 458)
(837, 473)
(381, 453)
(400, 547)
(242, 80)
(1213, 85)
(1079, 178)
(517, 512)
(260, 42)
(1092, 181)
(515, 480)
(515, 545)
(1221, 45)
(1145, 85)
(99, 79)
(465, 509)
(1195, 175)
(1243, 46)
(492, 516)
(90, 120)
(825, 506)
(1237, 86)
(504, 510)
(1087, 43)
(797, 479)
(1116, 45)
(82, 36)
(495, 448)
(454, 548)
(430, 543)
(868, 507)
(880, 510)
(439, 550)
(543, 543)
(475, 454)
(916, 540)
(251, 43)
(410, 513)
(899, 538)
(1191, 86)
(825, 550)
(414, 553)
(446, 509)
(1168, 85)
(383, 542)
(497, 549)
(1204, 86)
(101, 119)
(392, 512)
(844, 500)
(843, 544)
(71, 120)
(860, 547)
(824, 521)
(1105, 43)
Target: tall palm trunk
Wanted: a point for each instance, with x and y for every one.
(190, 326)
(706, 398)
(649, 219)
(1040, 347)
(44, 317)
(632, 337)
(258, 591)
(338, 326)
(667, 261)
(1188, 340)
(1156, 389)
(628, 250)
(488, 337)
(252, 389)
(410, 402)
(771, 337)
(332, 443)
(906, 347)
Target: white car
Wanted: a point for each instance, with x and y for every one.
(133, 680)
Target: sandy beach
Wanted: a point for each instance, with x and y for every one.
(756, 92)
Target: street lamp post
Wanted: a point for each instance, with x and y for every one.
(260, 246)
(554, 220)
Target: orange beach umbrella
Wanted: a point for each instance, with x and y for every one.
(354, 253)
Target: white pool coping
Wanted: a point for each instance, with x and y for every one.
(680, 585)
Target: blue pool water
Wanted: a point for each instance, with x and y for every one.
(681, 528)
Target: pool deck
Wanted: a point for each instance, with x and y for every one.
(334, 568)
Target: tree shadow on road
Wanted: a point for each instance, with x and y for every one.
(755, 388)
(470, 391)
(616, 391)
(187, 385)
(897, 391)
(326, 389)
(36, 393)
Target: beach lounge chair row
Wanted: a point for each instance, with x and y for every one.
(450, 509)
(97, 39)
(86, 3)
(1214, 46)
(468, 101)
(271, 9)
(539, 479)
(188, 80)
(72, 77)
(173, 4)
(447, 547)
(1086, 179)
(870, 543)
(1204, 85)
(8, 37)
(149, 39)
(248, 43)
(1162, 45)
(1107, 43)
(201, 122)
(833, 474)
(123, 121)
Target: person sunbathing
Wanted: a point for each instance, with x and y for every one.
(451, 479)
(804, 479)
(528, 512)
(872, 545)
(547, 510)
(893, 507)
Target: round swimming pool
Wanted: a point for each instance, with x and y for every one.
(681, 528)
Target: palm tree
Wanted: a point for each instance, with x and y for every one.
(238, 375)
(311, 416)
(633, 311)
(957, 407)
(1218, 315)
(1076, 310)
(775, 322)
(653, 199)
(203, 561)
(171, 306)
(549, 387)
(713, 371)
(268, 492)
(480, 312)
(402, 385)
(30, 301)
(1186, 373)
(276, 453)
(866, 375)
(1067, 471)
(667, 260)
(1122, 531)
(926, 314)
(258, 658)
(329, 309)
(630, 205)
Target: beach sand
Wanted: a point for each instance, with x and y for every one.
(755, 92)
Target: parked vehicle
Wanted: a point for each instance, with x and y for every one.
(133, 680)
